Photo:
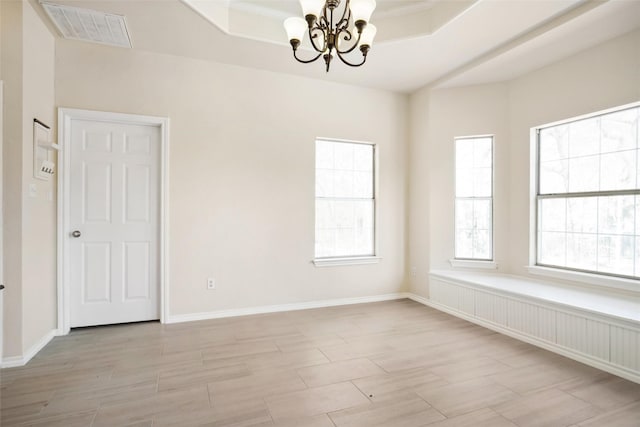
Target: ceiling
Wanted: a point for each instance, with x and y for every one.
(419, 42)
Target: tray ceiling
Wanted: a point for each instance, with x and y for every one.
(419, 42)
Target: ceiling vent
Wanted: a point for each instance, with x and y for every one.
(87, 25)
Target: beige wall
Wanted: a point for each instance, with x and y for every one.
(602, 77)
(479, 110)
(29, 222)
(11, 69)
(242, 171)
(450, 113)
(418, 258)
(39, 294)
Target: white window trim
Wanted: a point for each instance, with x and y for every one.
(472, 262)
(356, 259)
(334, 262)
(583, 277)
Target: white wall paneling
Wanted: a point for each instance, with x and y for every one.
(600, 340)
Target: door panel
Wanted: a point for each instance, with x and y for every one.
(136, 270)
(96, 180)
(136, 193)
(114, 204)
(96, 277)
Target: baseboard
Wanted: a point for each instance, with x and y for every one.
(15, 361)
(12, 362)
(179, 318)
(596, 363)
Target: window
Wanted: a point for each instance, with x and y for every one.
(345, 199)
(588, 194)
(474, 198)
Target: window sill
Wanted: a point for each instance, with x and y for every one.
(467, 263)
(588, 278)
(333, 262)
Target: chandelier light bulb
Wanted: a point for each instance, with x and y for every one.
(361, 10)
(296, 28)
(368, 34)
(311, 7)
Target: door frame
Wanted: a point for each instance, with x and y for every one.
(65, 115)
(1, 220)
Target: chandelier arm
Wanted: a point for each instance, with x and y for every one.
(306, 61)
(324, 16)
(346, 10)
(313, 36)
(351, 49)
(364, 59)
(323, 22)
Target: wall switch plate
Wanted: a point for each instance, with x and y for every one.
(33, 190)
(211, 283)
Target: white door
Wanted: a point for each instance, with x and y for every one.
(114, 211)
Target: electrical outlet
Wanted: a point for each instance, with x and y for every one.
(211, 283)
(414, 271)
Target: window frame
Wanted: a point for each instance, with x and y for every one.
(606, 279)
(474, 262)
(329, 261)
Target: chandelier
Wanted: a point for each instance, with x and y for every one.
(329, 34)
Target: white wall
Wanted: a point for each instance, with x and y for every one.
(602, 77)
(242, 171)
(29, 222)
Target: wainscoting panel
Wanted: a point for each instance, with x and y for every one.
(492, 308)
(546, 324)
(523, 317)
(468, 303)
(625, 348)
(571, 331)
(597, 339)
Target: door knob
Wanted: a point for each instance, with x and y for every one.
(76, 233)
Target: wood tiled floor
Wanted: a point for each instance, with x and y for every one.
(394, 363)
